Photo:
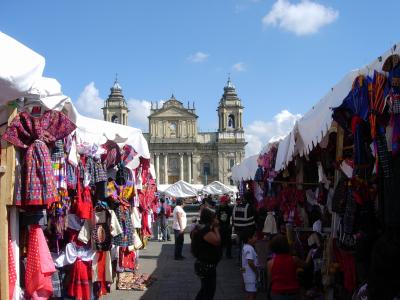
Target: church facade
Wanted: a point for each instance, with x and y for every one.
(179, 151)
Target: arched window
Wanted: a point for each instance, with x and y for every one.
(231, 121)
(114, 119)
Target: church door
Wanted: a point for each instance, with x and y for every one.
(172, 179)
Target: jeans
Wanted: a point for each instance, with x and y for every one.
(164, 228)
(178, 243)
(208, 285)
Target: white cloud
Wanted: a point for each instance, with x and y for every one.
(303, 18)
(139, 110)
(239, 67)
(198, 57)
(89, 102)
(258, 133)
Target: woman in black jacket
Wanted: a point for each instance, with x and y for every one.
(206, 247)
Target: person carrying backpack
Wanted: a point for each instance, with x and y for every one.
(206, 248)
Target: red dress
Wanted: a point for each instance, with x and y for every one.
(35, 134)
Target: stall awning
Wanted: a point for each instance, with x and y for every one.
(20, 68)
(246, 169)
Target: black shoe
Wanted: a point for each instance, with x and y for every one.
(180, 258)
(229, 256)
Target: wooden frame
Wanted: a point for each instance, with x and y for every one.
(7, 180)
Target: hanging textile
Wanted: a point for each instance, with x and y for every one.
(39, 266)
(34, 134)
(356, 103)
(12, 273)
(80, 278)
(112, 156)
(392, 66)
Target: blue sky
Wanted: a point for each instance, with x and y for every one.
(283, 55)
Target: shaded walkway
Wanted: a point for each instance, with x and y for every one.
(176, 279)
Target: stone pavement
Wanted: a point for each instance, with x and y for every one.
(176, 279)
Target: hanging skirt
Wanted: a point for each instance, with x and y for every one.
(79, 284)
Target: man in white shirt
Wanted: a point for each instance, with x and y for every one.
(179, 225)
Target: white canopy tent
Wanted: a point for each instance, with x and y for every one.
(21, 76)
(218, 188)
(246, 169)
(181, 189)
(20, 68)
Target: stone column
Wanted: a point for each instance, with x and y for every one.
(157, 163)
(189, 155)
(165, 168)
(180, 166)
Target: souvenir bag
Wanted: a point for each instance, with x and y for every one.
(137, 242)
(101, 234)
(84, 204)
(127, 258)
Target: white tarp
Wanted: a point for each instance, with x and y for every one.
(246, 169)
(20, 68)
(285, 152)
(181, 189)
(314, 125)
(217, 188)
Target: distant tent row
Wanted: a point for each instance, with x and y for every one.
(183, 189)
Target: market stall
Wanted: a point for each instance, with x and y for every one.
(330, 184)
(77, 194)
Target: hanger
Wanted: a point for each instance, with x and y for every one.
(30, 102)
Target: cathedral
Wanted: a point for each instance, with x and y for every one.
(179, 151)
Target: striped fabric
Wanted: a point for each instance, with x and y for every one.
(377, 101)
(243, 216)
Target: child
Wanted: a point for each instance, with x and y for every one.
(249, 264)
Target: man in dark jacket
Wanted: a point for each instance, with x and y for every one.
(224, 215)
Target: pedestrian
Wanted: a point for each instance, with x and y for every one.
(282, 270)
(179, 225)
(250, 264)
(206, 203)
(243, 217)
(206, 248)
(224, 215)
(163, 216)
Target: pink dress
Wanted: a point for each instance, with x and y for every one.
(39, 266)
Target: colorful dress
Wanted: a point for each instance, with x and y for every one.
(34, 134)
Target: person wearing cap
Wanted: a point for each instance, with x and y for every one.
(224, 216)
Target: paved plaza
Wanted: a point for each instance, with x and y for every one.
(176, 279)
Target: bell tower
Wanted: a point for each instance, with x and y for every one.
(115, 107)
(230, 110)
